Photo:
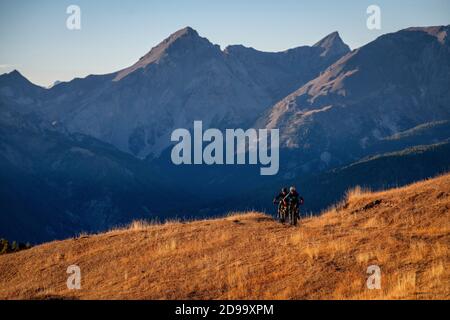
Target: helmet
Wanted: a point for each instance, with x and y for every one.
(284, 190)
(292, 189)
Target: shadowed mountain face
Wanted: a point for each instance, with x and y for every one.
(394, 83)
(280, 73)
(72, 156)
(20, 94)
(55, 185)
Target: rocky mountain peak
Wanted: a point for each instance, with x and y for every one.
(14, 75)
(181, 40)
(333, 45)
(15, 84)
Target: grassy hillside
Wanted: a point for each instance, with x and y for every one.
(406, 232)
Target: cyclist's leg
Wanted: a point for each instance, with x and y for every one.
(291, 213)
(279, 211)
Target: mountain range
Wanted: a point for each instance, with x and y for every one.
(92, 153)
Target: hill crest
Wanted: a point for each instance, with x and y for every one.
(404, 231)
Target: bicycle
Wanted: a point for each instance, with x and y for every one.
(282, 208)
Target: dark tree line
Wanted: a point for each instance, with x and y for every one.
(7, 247)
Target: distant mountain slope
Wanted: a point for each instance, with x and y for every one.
(16, 90)
(392, 84)
(53, 185)
(280, 73)
(403, 231)
(378, 172)
(431, 130)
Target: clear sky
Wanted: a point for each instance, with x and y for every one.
(34, 38)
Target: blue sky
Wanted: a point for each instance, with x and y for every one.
(115, 33)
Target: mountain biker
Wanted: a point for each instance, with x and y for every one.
(293, 201)
(282, 205)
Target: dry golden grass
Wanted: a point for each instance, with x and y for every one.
(356, 193)
(405, 231)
